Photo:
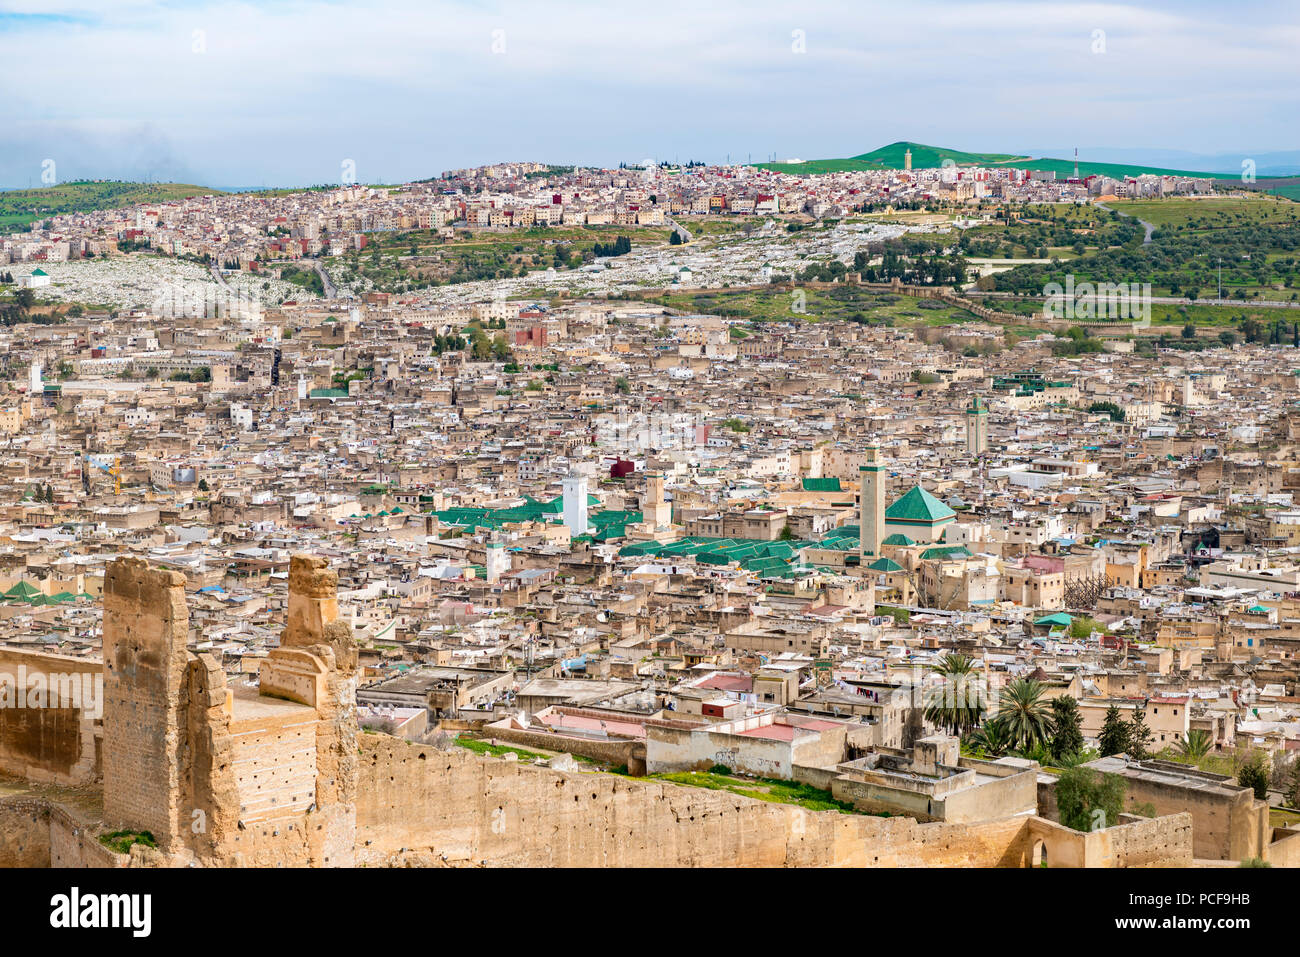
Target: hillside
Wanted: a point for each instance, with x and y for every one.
(930, 157)
(1065, 168)
(19, 207)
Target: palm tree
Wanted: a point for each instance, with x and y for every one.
(1028, 718)
(993, 738)
(1195, 744)
(958, 704)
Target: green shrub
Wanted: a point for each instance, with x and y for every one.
(1081, 792)
(121, 842)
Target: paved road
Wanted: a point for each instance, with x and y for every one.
(1146, 240)
(680, 230)
(216, 274)
(330, 291)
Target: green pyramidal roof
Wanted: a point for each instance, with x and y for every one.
(918, 505)
(885, 565)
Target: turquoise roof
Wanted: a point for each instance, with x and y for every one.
(946, 551)
(821, 485)
(898, 538)
(1060, 618)
(919, 506)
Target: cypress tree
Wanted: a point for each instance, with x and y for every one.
(1068, 738)
(1114, 733)
(1139, 736)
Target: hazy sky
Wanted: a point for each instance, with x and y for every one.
(284, 91)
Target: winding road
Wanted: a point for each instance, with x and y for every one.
(1146, 240)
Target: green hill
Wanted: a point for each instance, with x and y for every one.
(19, 207)
(1065, 168)
(931, 157)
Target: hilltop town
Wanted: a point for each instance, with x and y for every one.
(681, 482)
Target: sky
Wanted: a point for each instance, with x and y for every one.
(287, 92)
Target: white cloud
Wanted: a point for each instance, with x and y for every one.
(409, 87)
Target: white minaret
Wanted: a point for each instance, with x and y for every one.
(497, 560)
(575, 503)
(34, 384)
(302, 388)
(871, 522)
(654, 509)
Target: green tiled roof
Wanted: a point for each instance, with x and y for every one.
(898, 538)
(22, 590)
(918, 505)
(1060, 618)
(821, 485)
(885, 565)
(946, 551)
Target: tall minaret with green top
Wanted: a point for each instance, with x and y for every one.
(871, 523)
(977, 427)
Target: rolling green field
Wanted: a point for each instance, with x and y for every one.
(18, 207)
(1215, 213)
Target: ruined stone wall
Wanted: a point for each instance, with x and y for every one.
(72, 844)
(609, 752)
(1155, 842)
(56, 739)
(418, 805)
(24, 833)
(1224, 828)
(313, 626)
(146, 625)
(211, 799)
(1284, 850)
(275, 765)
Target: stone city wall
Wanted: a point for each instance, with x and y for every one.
(41, 741)
(421, 806)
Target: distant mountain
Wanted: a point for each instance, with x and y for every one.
(20, 207)
(932, 157)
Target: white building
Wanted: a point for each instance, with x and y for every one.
(575, 503)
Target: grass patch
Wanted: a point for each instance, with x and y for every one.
(900, 615)
(498, 750)
(121, 842)
(1282, 817)
(1217, 213)
(771, 790)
